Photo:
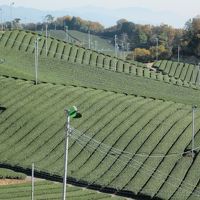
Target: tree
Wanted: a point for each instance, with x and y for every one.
(142, 37)
(128, 27)
(16, 23)
(141, 54)
(163, 53)
(192, 36)
(49, 18)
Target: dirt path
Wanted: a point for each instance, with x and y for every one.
(18, 181)
(12, 181)
(150, 66)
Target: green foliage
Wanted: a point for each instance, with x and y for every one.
(190, 43)
(142, 55)
(161, 50)
(148, 55)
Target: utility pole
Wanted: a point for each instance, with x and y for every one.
(178, 53)
(32, 181)
(122, 49)
(71, 112)
(96, 45)
(116, 46)
(1, 11)
(127, 48)
(36, 59)
(156, 49)
(46, 42)
(89, 40)
(193, 127)
(67, 133)
(124, 44)
(11, 14)
(199, 73)
(67, 33)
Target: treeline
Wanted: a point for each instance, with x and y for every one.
(143, 42)
(66, 22)
(148, 42)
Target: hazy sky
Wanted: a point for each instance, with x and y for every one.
(173, 12)
(181, 7)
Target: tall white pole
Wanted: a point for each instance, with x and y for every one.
(127, 48)
(95, 45)
(11, 14)
(156, 49)
(46, 44)
(178, 53)
(116, 46)
(89, 40)
(1, 18)
(36, 60)
(32, 181)
(67, 33)
(193, 111)
(199, 73)
(67, 132)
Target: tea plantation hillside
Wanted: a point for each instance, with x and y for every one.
(183, 71)
(72, 65)
(123, 144)
(51, 191)
(98, 43)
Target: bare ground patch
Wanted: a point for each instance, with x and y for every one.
(12, 181)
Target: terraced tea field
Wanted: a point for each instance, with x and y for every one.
(98, 43)
(133, 139)
(71, 65)
(124, 144)
(183, 71)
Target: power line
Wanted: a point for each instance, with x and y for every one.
(117, 151)
(138, 163)
(106, 150)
